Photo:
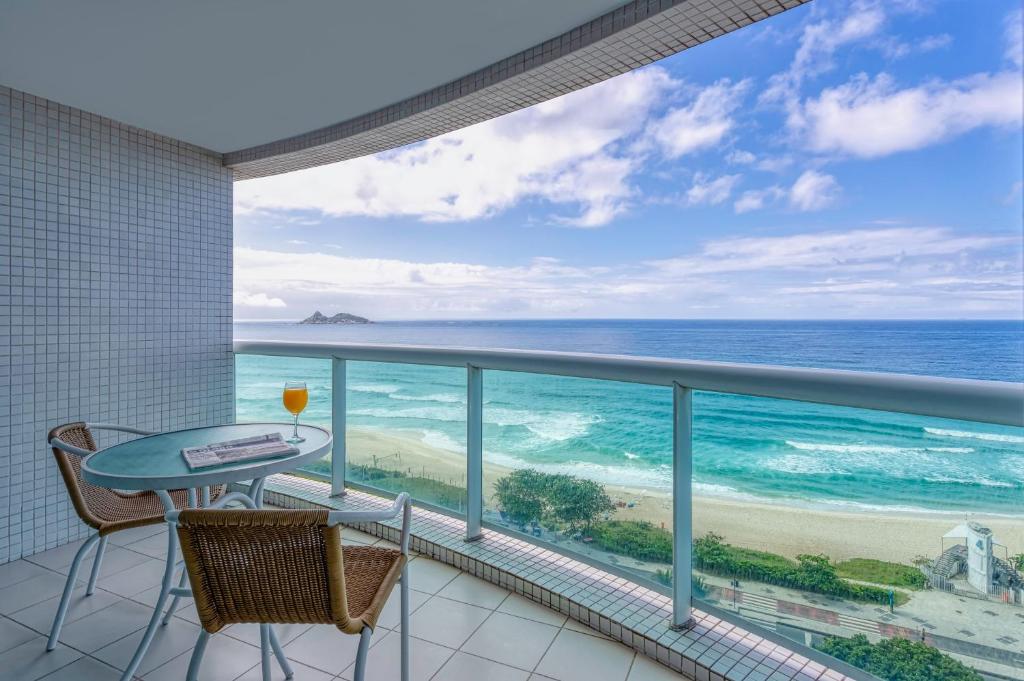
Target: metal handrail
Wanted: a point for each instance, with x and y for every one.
(995, 402)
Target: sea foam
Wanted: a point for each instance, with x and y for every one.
(990, 437)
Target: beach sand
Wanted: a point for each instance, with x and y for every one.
(779, 528)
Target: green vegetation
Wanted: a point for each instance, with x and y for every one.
(425, 488)
(897, 659)
(559, 501)
(1017, 562)
(634, 538)
(881, 572)
(808, 573)
(698, 585)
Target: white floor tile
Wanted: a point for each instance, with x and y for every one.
(464, 667)
(250, 633)
(125, 537)
(430, 576)
(106, 626)
(13, 634)
(55, 559)
(85, 669)
(324, 647)
(18, 571)
(646, 669)
(170, 641)
(302, 673)
(40, 616)
(445, 622)
(154, 546)
(469, 589)
(384, 660)
(391, 615)
(148, 573)
(578, 657)
(580, 628)
(521, 606)
(115, 560)
(30, 591)
(511, 640)
(225, 660)
(30, 661)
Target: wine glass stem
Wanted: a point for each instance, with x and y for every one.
(295, 430)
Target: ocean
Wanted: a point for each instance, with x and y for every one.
(744, 447)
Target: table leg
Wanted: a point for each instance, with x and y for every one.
(183, 580)
(206, 496)
(165, 589)
(256, 491)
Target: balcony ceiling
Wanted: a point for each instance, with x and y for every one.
(236, 74)
(277, 86)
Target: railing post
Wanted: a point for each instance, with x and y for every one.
(682, 505)
(338, 394)
(474, 451)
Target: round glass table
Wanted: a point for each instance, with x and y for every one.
(155, 463)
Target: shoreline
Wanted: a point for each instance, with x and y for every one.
(781, 528)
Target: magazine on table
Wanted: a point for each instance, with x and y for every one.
(252, 448)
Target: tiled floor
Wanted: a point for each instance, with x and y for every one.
(463, 628)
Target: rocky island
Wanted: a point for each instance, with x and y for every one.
(340, 318)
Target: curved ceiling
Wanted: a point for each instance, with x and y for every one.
(231, 74)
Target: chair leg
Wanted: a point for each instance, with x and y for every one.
(286, 667)
(364, 645)
(176, 599)
(96, 562)
(265, 651)
(405, 621)
(197, 656)
(69, 586)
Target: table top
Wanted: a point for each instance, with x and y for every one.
(155, 462)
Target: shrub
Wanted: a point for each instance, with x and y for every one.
(813, 573)
(1018, 562)
(897, 659)
(565, 501)
(427, 489)
(634, 538)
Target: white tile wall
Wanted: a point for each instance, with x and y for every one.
(115, 295)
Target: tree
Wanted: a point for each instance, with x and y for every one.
(1018, 562)
(520, 494)
(898, 659)
(575, 502)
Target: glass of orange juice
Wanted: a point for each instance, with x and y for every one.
(295, 397)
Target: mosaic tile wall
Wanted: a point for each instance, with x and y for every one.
(115, 295)
(638, 33)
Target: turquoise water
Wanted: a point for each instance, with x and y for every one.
(744, 447)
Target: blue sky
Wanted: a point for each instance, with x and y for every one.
(842, 160)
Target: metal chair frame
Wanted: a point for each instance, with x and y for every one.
(268, 639)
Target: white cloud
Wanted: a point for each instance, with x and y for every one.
(756, 199)
(870, 118)
(702, 123)
(711, 191)
(740, 157)
(872, 272)
(813, 191)
(570, 151)
(243, 299)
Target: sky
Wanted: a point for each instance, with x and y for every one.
(843, 160)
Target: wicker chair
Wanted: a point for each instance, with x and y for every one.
(105, 510)
(289, 567)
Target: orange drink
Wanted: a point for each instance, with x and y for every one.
(295, 397)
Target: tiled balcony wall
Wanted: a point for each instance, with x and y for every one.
(115, 295)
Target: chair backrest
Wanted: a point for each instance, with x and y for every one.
(83, 495)
(266, 566)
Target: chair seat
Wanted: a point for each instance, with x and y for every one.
(370, 574)
(120, 511)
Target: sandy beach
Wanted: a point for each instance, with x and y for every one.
(785, 529)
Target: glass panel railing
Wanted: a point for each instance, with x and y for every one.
(259, 382)
(407, 431)
(584, 466)
(828, 523)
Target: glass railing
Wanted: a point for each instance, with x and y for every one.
(854, 507)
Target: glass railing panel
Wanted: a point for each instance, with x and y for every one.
(259, 381)
(584, 466)
(826, 523)
(407, 431)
